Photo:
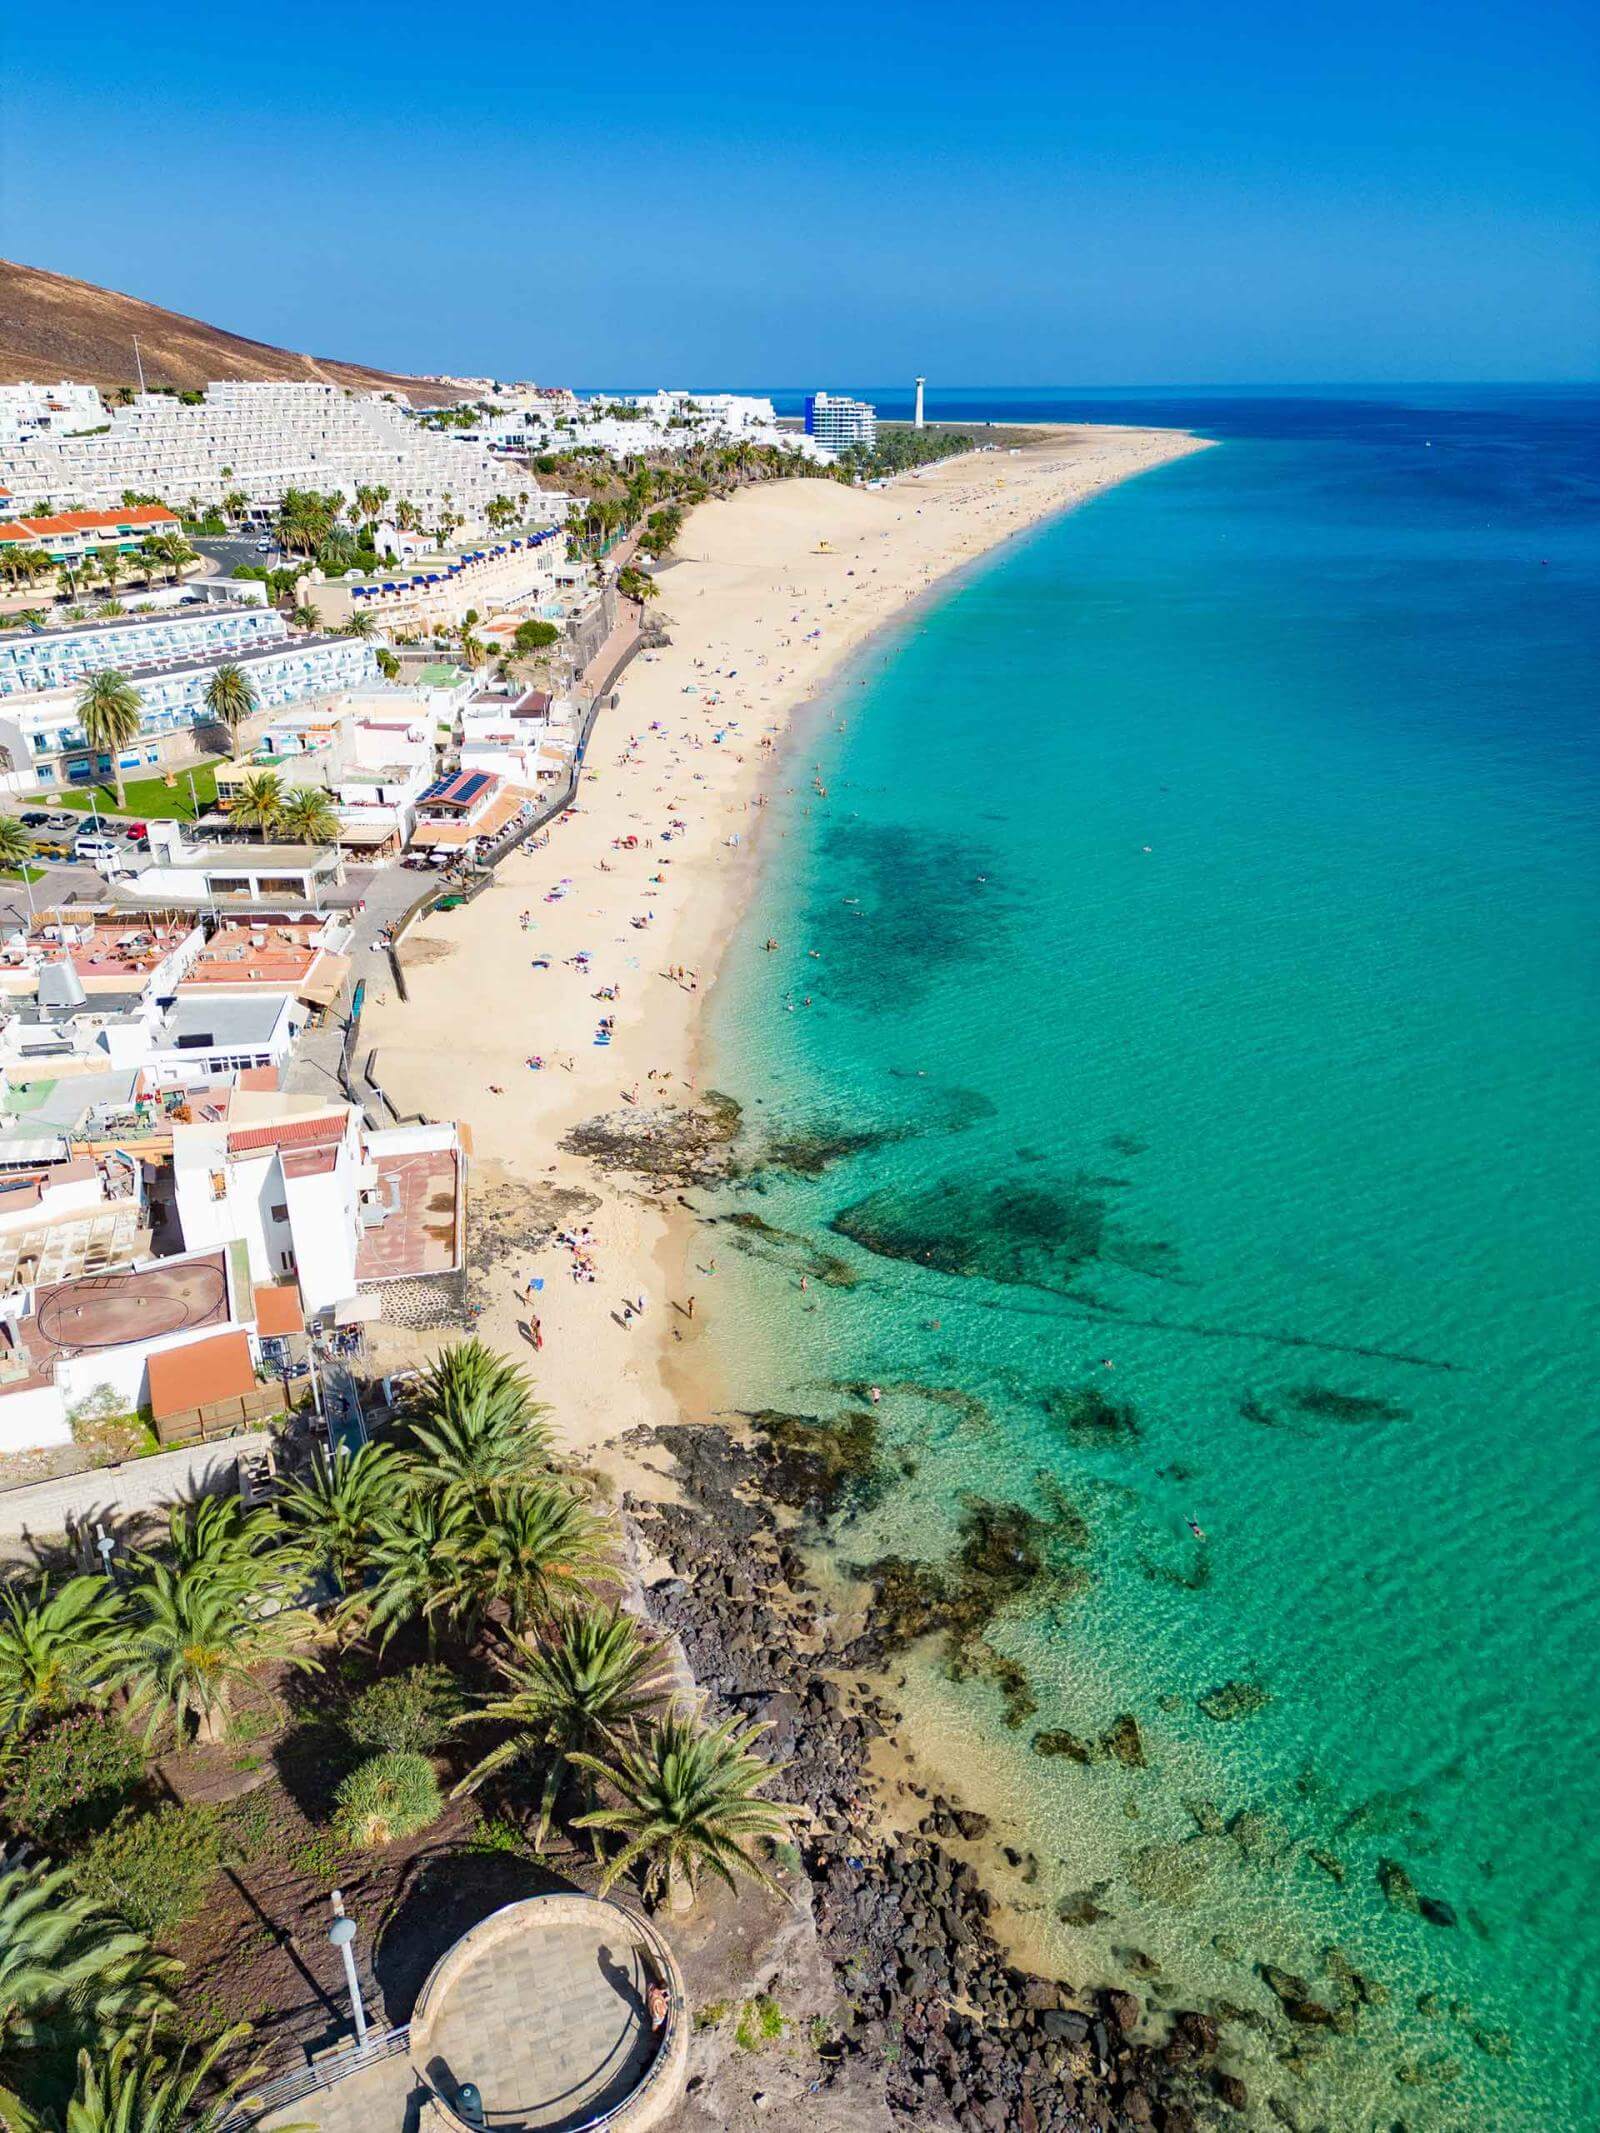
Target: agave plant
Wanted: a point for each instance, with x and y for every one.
(535, 1543)
(689, 1802)
(474, 1421)
(69, 1969)
(335, 1507)
(593, 1675)
(134, 2087)
(58, 1648)
(385, 1799)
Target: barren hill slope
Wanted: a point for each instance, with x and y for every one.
(54, 327)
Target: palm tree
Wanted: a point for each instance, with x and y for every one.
(150, 560)
(235, 504)
(474, 1421)
(307, 816)
(231, 698)
(689, 1801)
(594, 1674)
(368, 502)
(111, 567)
(58, 1649)
(134, 2088)
(305, 616)
(196, 1633)
(69, 1966)
(258, 802)
(175, 552)
(361, 624)
(535, 1543)
(406, 516)
(413, 1561)
(388, 663)
(473, 653)
(16, 846)
(33, 618)
(218, 1533)
(334, 1509)
(108, 711)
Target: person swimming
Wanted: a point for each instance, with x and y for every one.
(1194, 1529)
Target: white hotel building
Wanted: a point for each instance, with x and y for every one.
(54, 657)
(837, 422)
(42, 742)
(260, 439)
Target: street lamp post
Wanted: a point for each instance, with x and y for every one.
(342, 1933)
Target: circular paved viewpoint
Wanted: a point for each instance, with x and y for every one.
(542, 2008)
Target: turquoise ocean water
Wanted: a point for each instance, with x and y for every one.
(1221, 976)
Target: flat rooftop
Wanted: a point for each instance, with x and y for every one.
(421, 1235)
(54, 631)
(113, 1310)
(221, 1021)
(248, 858)
(104, 950)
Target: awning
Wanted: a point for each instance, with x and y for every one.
(358, 1311)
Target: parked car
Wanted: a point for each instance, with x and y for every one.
(136, 832)
(95, 845)
(34, 820)
(264, 545)
(52, 844)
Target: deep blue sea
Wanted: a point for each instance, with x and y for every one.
(1205, 895)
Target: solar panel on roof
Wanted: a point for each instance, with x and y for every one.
(474, 785)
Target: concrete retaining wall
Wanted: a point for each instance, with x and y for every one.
(47, 1510)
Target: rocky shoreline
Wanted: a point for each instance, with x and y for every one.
(937, 2022)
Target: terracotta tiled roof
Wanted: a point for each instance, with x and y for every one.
(38, 529)
(287, 1133)
(215, 1369)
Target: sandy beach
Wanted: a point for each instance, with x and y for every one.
(770, 591)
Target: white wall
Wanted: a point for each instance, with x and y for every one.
(31, 1419)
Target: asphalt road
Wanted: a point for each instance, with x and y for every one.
(228, 554)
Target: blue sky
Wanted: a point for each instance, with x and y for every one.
(1160, 191)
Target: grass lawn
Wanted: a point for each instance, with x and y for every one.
(147, 797)
(19, 873)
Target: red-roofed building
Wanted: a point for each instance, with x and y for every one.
(68, 536)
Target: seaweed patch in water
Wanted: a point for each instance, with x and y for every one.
(921, 907)
(810, 1150)
(1021, 1232)
(1087, 1409)
(813, 1464)
(752, 1233)
(1126, 1144)
(1335, 1406)
(1005, 1554)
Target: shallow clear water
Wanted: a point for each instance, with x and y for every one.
(1227, 866)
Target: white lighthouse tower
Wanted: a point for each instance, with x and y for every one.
(916, 420)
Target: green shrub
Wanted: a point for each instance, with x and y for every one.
(155, 1868)
(405, 1713)
(761, 2021)
(72, 1777)
(386, 1798)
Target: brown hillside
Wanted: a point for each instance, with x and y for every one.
(54, 327)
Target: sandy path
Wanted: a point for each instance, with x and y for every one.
(773, 588)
